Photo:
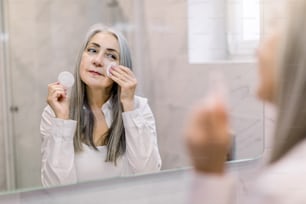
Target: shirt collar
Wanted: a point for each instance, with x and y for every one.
(106, 109)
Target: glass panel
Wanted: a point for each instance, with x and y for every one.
(45, 35)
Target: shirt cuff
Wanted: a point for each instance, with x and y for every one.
(132, 119)
(63, 129)
(212, 189)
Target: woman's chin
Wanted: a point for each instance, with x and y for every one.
(100, 85)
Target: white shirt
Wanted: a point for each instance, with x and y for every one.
(283, 182)
(61, 165)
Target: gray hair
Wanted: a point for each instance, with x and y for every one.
(81, 111)
(291, 92)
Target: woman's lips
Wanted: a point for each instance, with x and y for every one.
(95, 73)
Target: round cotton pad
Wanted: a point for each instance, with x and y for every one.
(110, 66)
(66, 79)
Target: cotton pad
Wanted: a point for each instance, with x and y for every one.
(66, 79)
(110, 65)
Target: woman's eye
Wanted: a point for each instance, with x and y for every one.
(91, 50)
(111, 56)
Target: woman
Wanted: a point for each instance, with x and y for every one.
(103, 129)
(282, 71)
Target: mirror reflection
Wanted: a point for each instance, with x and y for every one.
(102, 129)
(40, 39)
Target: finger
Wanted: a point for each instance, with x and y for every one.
(195, 129)
(119, 77)
(220, 116)
(56, 96)
(195, 136)
(54, 83)
(116, 79)
(56, 86)
(59, 94)
(217, 127)
(124, 71)
(215, 111)
(57, 89)
(213, 127)
(197, 146)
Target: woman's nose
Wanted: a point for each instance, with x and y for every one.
(98, 61)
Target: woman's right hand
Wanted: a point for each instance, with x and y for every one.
(58, 100)
(207, 136)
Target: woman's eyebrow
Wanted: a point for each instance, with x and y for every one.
(99, 46)
(112, 50)
(95, 44)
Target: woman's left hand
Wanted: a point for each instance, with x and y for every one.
(125, 78)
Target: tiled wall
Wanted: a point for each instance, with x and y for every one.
(174, 84)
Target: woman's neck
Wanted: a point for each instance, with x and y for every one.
(97, 97)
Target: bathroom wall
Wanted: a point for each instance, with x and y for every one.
(173, 84)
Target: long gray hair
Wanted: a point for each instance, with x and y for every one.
(291, 94)
(81, 111)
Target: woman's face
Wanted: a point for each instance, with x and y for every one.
(102, 49)
(267, 62)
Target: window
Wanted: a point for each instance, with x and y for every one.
(222, 29)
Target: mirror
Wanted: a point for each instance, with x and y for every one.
(39, 39)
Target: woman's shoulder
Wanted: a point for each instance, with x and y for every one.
(291, 161)
(287, 175)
